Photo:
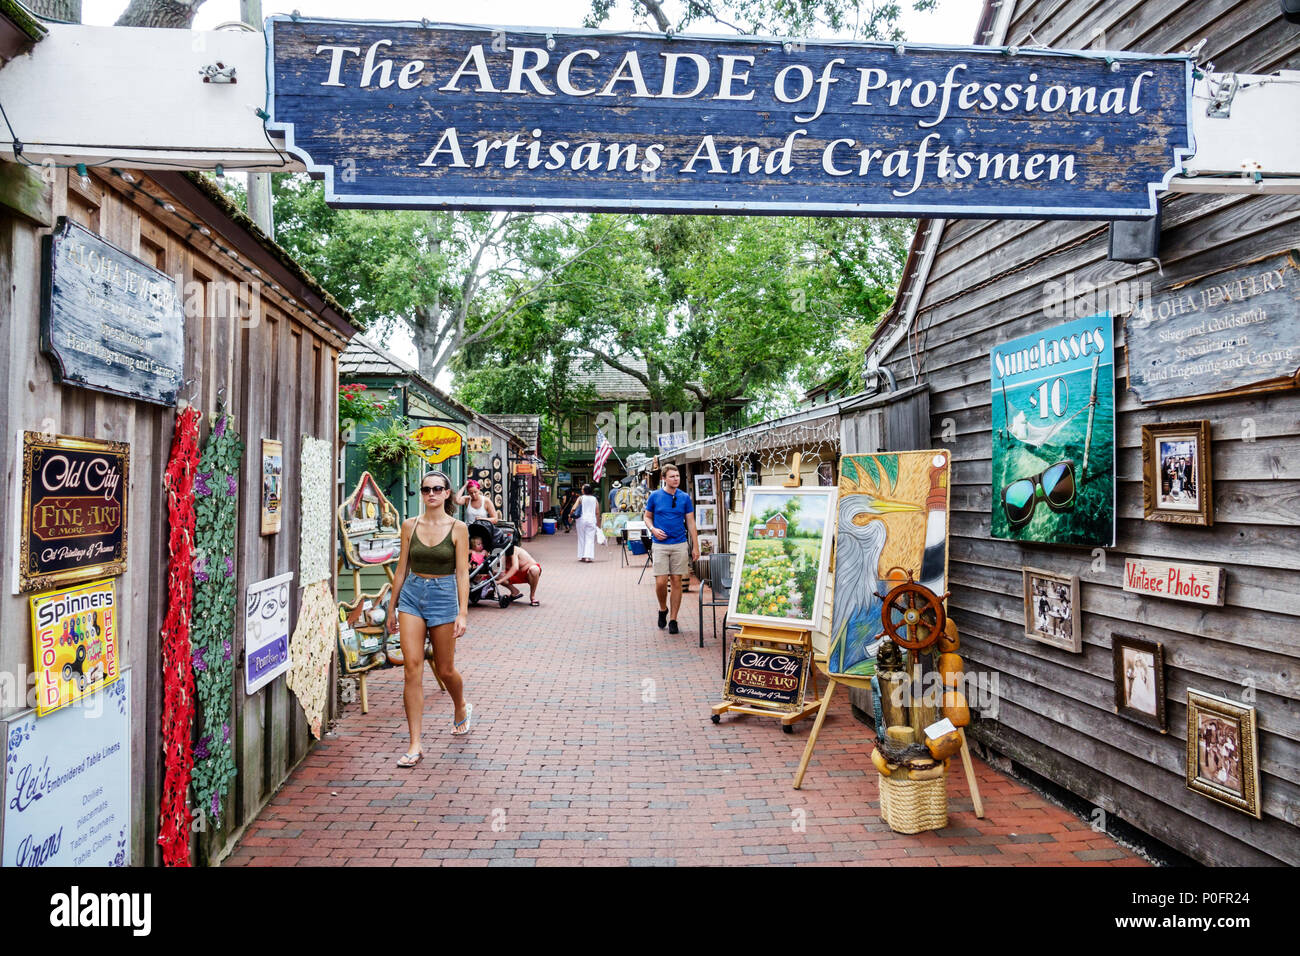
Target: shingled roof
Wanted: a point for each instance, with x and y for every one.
(525, 426)
(609, 383)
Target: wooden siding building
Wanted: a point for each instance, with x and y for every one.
(972, 285)
(274, 357)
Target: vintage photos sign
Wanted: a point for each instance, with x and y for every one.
(71, 510)
(67, 786)
(109, 321)
(266, 631)
(74, 643)
(1054, 435)
(454, 116)
(1234, 330)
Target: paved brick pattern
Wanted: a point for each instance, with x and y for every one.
(592, 745)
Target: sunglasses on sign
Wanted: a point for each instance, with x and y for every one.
(1054, 486)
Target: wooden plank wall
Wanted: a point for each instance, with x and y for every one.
(1055, 713)
(280, 376)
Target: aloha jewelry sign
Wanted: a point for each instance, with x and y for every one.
(453, 116)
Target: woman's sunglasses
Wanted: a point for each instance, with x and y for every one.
(432, 489)
(1054, 486)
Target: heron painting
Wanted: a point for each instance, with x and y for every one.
(893, 520)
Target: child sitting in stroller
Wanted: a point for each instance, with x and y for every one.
(488, 547)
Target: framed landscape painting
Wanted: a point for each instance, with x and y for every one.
(783, 556)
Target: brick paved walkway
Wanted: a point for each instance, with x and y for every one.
(592, 744)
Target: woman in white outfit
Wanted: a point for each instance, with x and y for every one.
(477, 505)
(587, 523)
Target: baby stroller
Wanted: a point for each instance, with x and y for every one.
(498, 541)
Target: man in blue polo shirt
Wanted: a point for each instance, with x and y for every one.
(670, 517)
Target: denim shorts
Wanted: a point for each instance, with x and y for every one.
(436, 600)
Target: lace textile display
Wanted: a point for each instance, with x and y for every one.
(312, 646)
(316, 517)
(178, 680)
(216, 493)
(311, 649)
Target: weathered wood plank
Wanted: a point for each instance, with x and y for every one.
(25, 193)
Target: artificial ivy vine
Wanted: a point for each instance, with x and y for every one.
(216, 494)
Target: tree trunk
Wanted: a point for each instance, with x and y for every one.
(169, 14)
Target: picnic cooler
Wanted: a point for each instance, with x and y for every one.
(913, 806)
(548, 526)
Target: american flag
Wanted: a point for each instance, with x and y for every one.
(603, 450)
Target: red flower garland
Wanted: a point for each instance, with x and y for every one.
(178, 678)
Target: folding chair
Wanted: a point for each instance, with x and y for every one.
(647, 542)
(717, 569)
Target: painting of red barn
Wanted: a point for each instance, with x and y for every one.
(775, 527)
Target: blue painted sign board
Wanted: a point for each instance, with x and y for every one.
(67, 783)
(453, 116)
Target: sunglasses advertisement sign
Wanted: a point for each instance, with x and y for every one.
(1054, 435)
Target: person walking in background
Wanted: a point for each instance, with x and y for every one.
(477, 505)
(588, 512)
(431, 594)
(670, 517)
(566, 513)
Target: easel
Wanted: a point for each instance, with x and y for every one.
(759, 636)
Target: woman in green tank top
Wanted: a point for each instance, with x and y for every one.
(431, 594)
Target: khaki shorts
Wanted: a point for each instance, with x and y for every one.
(672, 558)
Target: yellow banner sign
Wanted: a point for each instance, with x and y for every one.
(439, 443)
(74, 637)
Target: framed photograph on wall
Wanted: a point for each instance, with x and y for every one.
(272, 485)
(1052, 612)
(1223, 751)
(706, 517)
(826, 474)
(1139, 680)
(705, 488)
(708, 545)
(1177, 484)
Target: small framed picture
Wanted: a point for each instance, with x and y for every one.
(1052, 612)
(1223, 751)
(705, 489)
(826, 474)
(706, 517)
(1139, 680)
(708, 545)
(272, 481)
(1177, 485)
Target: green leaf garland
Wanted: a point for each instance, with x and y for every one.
(216, 495)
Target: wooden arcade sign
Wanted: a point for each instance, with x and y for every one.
(453, 116)
(369, 526)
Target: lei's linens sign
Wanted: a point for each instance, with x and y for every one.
(441, 115)
(74, 643)
(67, 785)
(763, 675)
(1195, 583)
(1231, 330)
(73, 507)
(109, 321)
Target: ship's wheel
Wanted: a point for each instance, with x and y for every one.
(912, 615)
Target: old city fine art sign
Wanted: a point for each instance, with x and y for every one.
(109, 321)
(453, 116)
(1238, 329)
(72, 510)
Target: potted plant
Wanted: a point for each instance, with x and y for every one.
(389, 449)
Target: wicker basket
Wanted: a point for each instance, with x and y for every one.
(913, 806)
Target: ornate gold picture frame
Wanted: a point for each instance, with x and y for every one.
(1223, 751)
